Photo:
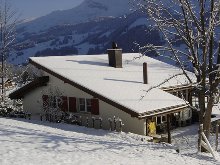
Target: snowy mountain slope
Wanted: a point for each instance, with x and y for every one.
(87, 10)
(34, 142)
(92, 37)
(87, 29)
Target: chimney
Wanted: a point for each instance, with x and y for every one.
(145, 76)
(115, 56)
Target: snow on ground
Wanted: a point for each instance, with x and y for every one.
(186, 140)
(35, 142)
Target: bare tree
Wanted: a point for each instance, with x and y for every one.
(8, 21)
(191, 31)
(52, 102)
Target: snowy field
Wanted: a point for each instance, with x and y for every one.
(24, 142)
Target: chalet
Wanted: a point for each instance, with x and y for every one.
(109, 86)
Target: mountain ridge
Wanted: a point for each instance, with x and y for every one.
(91, 37)
(87, 10)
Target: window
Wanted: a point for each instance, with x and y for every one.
(82, 104)
(88, 105)
(164, 118)
(159, 120)
(54, 101)
(85, 105)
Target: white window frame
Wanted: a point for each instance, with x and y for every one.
(162, 121)
(86, 104)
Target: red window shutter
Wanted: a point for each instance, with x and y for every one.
(45, 99)
(72, 104)
(95, 106)
(64, 106)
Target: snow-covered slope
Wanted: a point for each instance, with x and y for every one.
(34, 142)
(87, 29)
(91, 37)
(88, 10)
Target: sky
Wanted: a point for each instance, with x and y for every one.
(29, 9)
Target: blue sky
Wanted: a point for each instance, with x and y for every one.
(35, 8)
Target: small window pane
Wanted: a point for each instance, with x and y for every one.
(82, 104)
(82, 101)
(88, 104)
(82, 108)
(164, 118)
(159, 120)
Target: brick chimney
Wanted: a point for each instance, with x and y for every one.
(115, 56)
(145, 76)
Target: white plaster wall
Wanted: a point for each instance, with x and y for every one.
(131, 124)
(33, 104)
(33, 101)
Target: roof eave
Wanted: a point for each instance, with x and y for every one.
(38, 82)
(163, 111)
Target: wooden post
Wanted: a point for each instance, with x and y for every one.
(93, 122)
(206, 145)
(200, 138)
(110, 124)
(114, 120)
(41, 117)
(216, 133)
(87, 122)
(100, 120)
(147, 127)
(120, 125)
(80, 120)
(168, 128)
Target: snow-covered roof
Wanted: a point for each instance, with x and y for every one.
(20, 92)
(123, 86)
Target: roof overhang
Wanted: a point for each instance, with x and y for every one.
(163, 111)
(38, 82)
(179, 87)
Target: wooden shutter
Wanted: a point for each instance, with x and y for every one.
(95, 106)
(72, 104)
(64, 106)
(45, 99)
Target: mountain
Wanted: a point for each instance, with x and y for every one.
(89, 28)
(91, 37)
(86, 11)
